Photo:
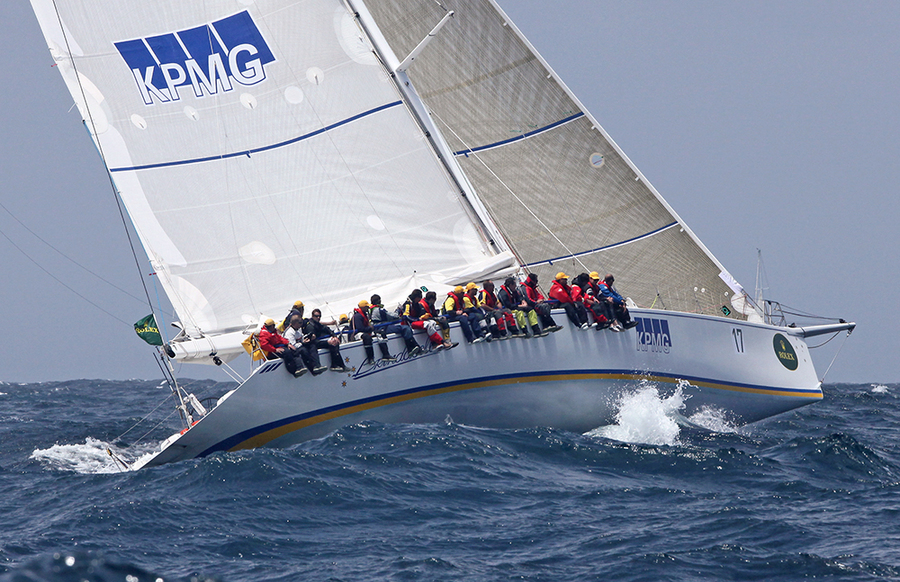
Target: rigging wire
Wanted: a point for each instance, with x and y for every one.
(65, 256)
(99, 144)
(514, 195)
(825, 342)
(60, 281)
(843, 343)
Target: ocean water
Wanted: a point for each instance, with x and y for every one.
(811, 494)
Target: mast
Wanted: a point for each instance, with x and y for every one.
(398, 73)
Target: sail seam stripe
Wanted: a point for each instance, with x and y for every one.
(468, 151)
(263, 148)
(605, 248)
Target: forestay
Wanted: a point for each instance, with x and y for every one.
(262, 152)
(552, 180)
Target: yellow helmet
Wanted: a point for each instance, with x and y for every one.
(458, 289)
(343, 318)
(298, 304)
(363, 304)
(595, 275)
(561, 275)
(471, 286)
(269, 322)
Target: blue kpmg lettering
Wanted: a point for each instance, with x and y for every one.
(210, 59)
(653, 335)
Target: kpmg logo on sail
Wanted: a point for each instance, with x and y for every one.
(205, 60)
(653, 335)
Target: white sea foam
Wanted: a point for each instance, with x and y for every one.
(713, 419)
(880, 389)
(645, 417)
(91, 457)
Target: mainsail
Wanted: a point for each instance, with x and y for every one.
(562, 193)
(265, 153)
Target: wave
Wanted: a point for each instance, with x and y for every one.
(94, 456)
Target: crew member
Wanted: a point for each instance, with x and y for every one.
(386, 323)
(361, 328)
(620, 311)
(325, 339)
(514, 300)
(304, 345)
(534, 295)
(503, 317)
(417, 316)
(455, 310)
(561, 291)
(276, 346)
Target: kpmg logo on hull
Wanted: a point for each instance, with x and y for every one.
(653, 335)
(205, 60)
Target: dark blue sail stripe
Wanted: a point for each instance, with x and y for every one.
(466, 152)
(261, 149)
(604, 248)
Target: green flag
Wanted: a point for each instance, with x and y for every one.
(146, 328)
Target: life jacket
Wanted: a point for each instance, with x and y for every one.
(454, 301)
(412, 309)
(533, 293)
(513, 297)
(362, 314)
(560, 292)
(427, 308)
(577, 293)
(488, 299)
(472, 299)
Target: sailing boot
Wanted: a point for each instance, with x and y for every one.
(412, 348)
(437, 339)
(536, 330)
(370, 356)
(385, 353)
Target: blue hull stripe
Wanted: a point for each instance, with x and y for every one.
(236, 440)
(466, 152)
(260, 149)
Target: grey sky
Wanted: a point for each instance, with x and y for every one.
(766, 125)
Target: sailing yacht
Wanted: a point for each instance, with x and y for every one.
(327, 150)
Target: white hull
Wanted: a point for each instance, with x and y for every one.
(569, 380)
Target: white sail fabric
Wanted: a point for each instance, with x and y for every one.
(262, 152)
(561, 192)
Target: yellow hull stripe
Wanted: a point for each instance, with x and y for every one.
(266, 437)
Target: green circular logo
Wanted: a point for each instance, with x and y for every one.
(785, 352)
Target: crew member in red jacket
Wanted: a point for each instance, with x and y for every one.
(561, 291)
(276, 346)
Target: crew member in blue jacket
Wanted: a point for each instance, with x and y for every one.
(609, 294)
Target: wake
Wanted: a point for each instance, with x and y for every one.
(645, 417)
